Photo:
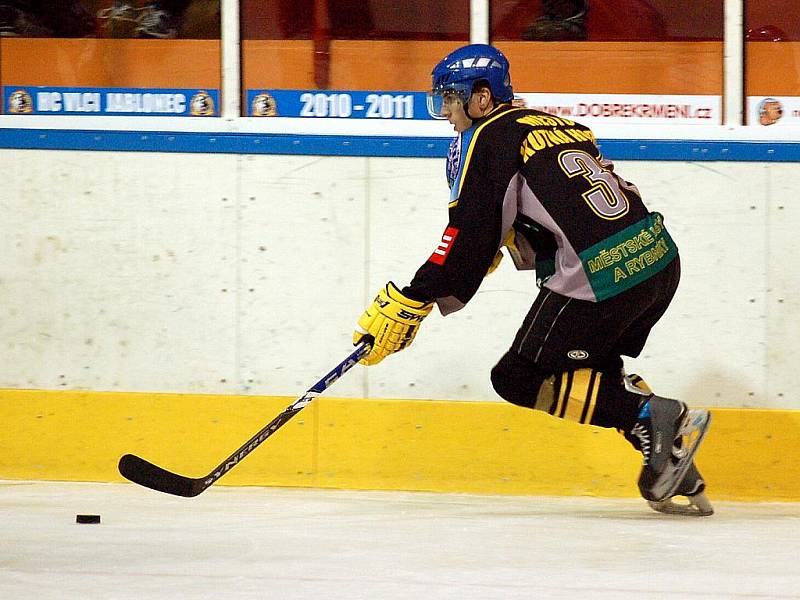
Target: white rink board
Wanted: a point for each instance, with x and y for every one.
(245, 274)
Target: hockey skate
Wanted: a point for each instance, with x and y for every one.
(669, 434)
(692, 488)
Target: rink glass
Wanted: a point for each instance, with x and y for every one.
(772, 61)
(107, 56)
(632, 47)
(348, 44)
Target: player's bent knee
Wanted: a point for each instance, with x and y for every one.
(517, 380)
(569, 395)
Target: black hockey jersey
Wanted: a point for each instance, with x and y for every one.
(518, 163)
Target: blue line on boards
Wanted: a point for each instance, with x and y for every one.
(355, 145)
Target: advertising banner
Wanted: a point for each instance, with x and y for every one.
(586, 108)
(82, 101)
(773, 110)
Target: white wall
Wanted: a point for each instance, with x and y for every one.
(245, 274)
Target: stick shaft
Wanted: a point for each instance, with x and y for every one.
(290, 411)
(143, 472)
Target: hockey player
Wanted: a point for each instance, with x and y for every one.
(607, 270)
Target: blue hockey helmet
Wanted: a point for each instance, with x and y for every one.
(458, 72)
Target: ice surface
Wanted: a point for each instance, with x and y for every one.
(237, 543)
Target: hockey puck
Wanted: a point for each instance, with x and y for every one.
(87, 518)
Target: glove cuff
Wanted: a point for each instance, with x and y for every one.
(393, 304)
(394, 293)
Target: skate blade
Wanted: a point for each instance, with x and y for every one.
(697, 506)
(692, 431)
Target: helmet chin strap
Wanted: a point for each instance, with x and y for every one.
(466, 109)
(466, 106)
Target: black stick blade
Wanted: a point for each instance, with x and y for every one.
(154, 477)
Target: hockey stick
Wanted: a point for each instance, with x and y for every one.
(145, 473)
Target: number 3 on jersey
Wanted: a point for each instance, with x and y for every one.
(604, 197)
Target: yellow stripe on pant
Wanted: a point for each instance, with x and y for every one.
(577, 395)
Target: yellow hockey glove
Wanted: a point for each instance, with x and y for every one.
(520, 251)
(509, 243)
(393, 320)
(498, 257)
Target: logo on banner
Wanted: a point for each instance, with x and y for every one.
(20, 103)
(443, 249)
(264, 105)
(202, 105)
(770, 111)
